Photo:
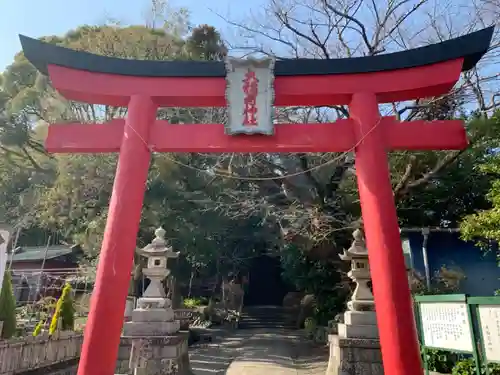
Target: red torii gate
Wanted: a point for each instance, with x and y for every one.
(361, 83)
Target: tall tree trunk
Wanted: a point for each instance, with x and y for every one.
(191, 277)
(217, 280)
(174, 294)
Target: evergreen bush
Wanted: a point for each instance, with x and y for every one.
(38, 328)
(7, 307)
(65, 310)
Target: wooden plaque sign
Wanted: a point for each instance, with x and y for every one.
(250, 96)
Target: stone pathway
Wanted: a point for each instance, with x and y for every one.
(311, 360)
(257, 352)
(216, 357)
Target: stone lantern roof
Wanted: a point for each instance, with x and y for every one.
(158, 247)
(358, 248)
(157, 253)
(359, 320)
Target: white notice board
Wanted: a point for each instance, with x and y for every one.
(489, 316)
(446, 326)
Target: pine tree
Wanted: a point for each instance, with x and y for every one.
(7, 307)
(65, 310)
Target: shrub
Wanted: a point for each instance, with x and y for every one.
(38, 328)
(7, 307)
(440, 360)
(310, 326)
(464, 367)
(468, 367)
(194, 302)
(65, 310)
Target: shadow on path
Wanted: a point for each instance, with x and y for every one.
(310, 359)
(258, 352)
(215, 358)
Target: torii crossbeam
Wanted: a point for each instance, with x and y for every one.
(360, 83)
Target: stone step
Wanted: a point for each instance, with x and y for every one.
(267, 322)
(262, 322)
(263, 317)
(242, 325)
(246, 324)
(252, 314)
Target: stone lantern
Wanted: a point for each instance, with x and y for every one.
(356, 348)
(157, 345)
(357, 254)
(157, 253)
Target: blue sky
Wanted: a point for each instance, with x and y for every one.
(54, 17)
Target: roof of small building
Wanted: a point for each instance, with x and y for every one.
(38, 253)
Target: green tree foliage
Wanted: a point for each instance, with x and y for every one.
(461, 187)
(483, 226)
(69, 194)
(314, 207)
(321, 278)
(65, 311)
(7, 307)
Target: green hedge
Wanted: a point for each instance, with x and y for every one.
(7, 307)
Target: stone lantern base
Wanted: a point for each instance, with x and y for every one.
(160, 355)
(356, 349)
(359, 324)
(158, 348)
(354, 356)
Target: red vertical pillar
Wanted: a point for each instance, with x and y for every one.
(104, 325)
(398, 338)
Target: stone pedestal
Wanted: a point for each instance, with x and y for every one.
(158, 348)
(166, 355)
(359, 324)
(356, 348)
(352, 356)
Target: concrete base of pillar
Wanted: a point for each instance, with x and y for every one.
(354, 356)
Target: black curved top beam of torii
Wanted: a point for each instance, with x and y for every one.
(470, 47)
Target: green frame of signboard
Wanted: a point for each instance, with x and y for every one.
(472, 305)
(446, 298)
(475, 303)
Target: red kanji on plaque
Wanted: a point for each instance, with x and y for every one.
(250, 88)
